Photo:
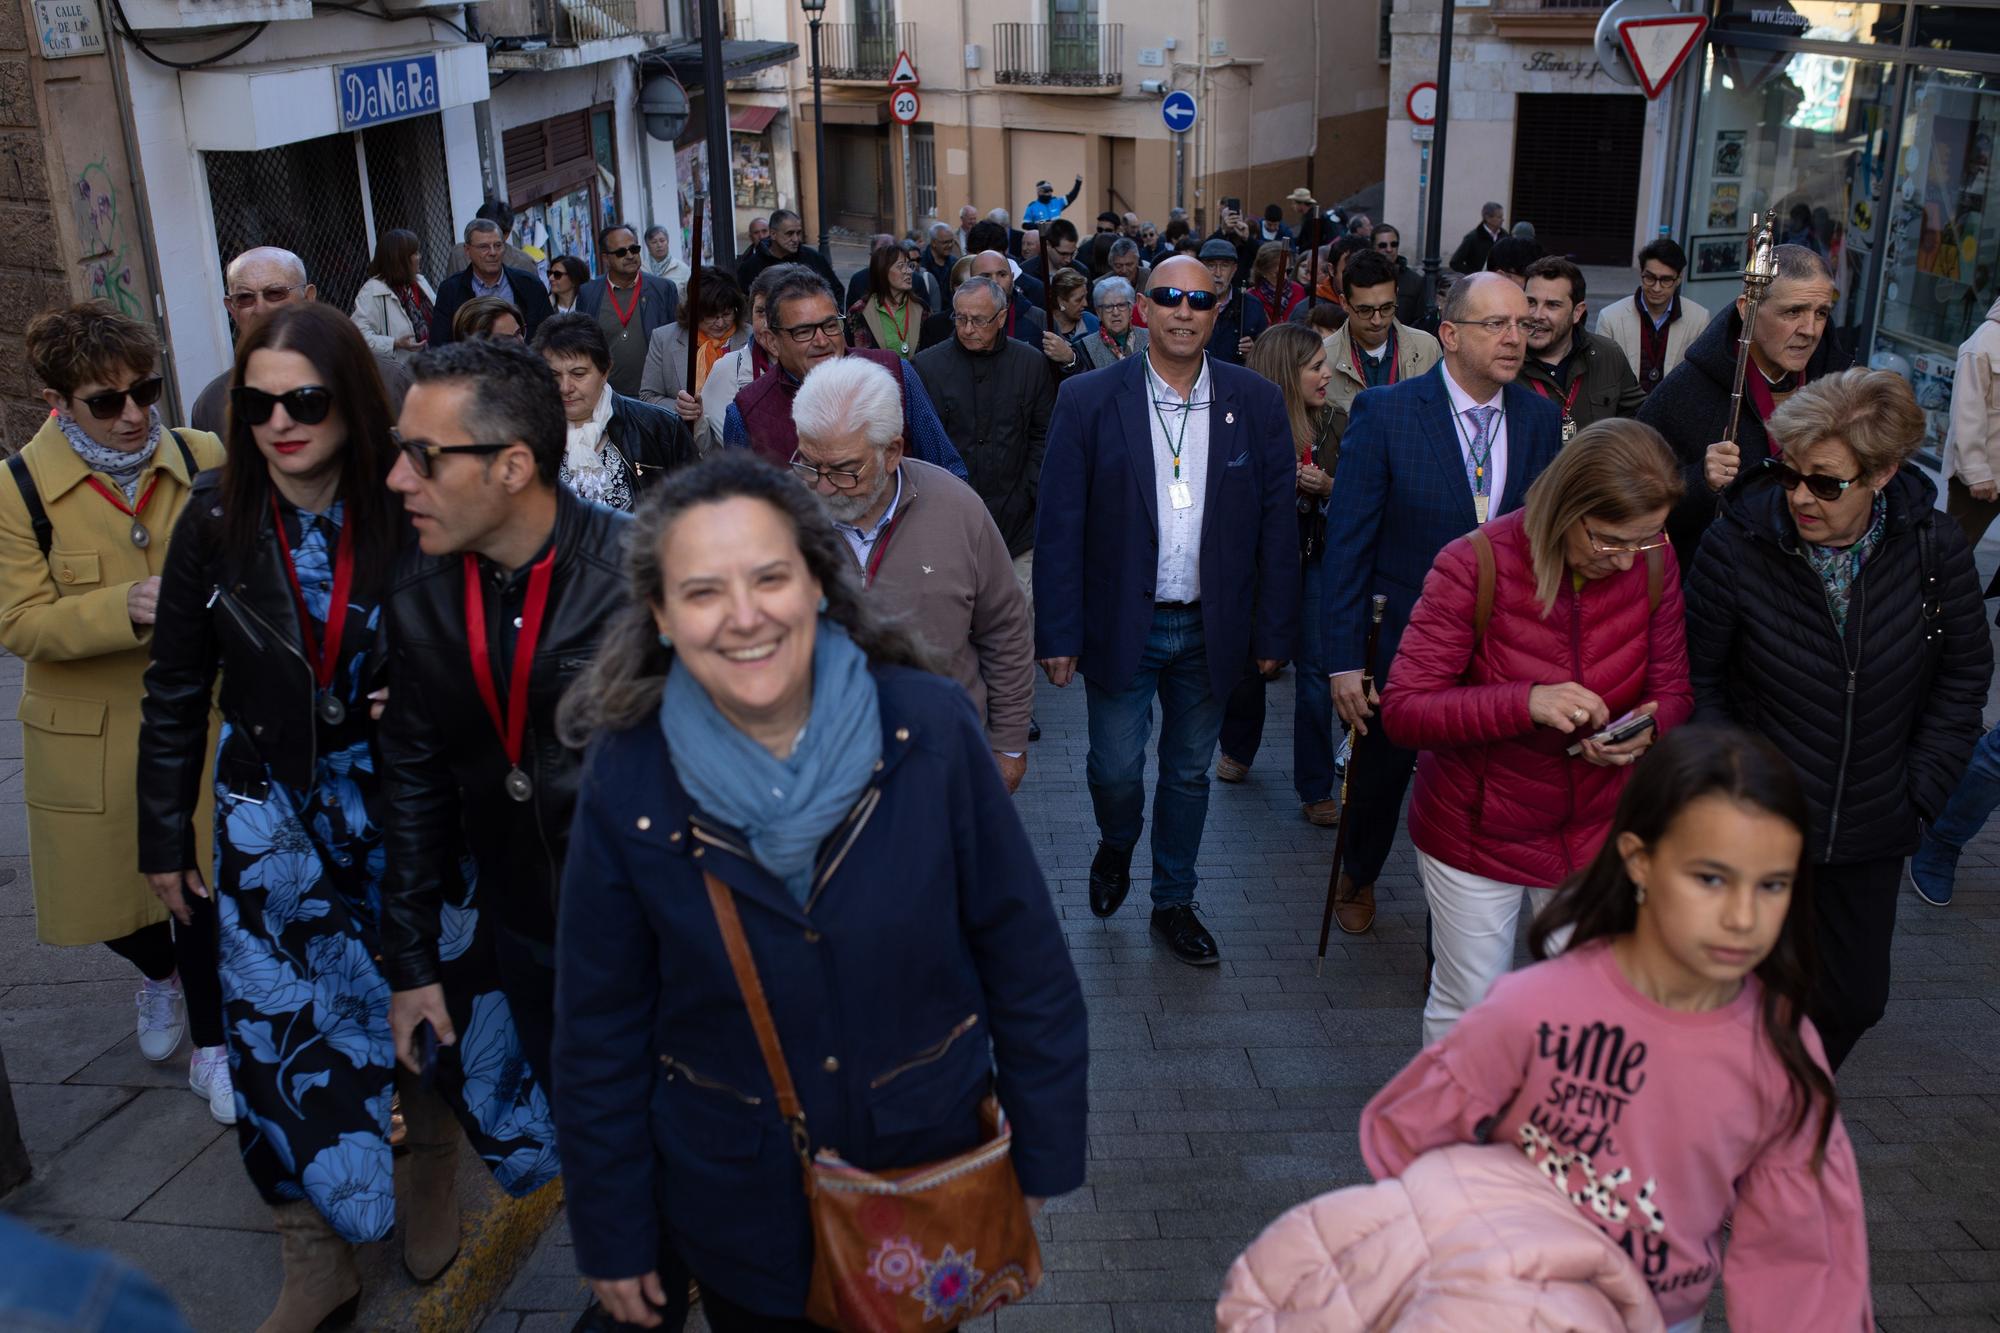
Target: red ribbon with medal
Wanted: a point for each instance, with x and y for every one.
(513, 724)
(322, 657)
(1568, 403)
(140, 537)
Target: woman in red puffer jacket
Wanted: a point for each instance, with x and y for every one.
(1581, 625)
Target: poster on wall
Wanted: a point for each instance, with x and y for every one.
(1724, 200)
(571, 227)
(691, 178)
(1728, 161)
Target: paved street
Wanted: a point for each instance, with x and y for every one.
(1219, 1097)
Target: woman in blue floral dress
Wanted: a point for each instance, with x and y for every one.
(297, 525)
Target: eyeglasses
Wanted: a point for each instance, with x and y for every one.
(1496, 326)
(841, 479)
(111, 405)
(1603, 547)
(625, 253)
(1169, 297)
(970, 321)
(421, 452)
(1114, 308)
(1388, 245)
(247, 300)
(805, 333)
(1657, 280)
(1372, 311)
(1822, 486)
(308, 404)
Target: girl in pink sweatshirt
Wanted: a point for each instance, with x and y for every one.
(1661, 1071)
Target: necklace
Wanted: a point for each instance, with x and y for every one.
(902, 326)
(624, 313)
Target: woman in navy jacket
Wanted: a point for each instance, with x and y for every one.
(748, 716)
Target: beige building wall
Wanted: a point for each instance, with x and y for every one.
(1257, 68)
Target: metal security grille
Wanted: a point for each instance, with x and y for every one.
(407, 187)
(923, 148)
(1576, 172)
(304, 197)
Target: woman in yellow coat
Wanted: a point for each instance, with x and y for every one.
(84, 517)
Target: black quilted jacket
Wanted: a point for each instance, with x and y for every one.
(1881, 722)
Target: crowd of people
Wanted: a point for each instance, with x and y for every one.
(579, 714)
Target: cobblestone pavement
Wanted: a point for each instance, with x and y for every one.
(1219, 1097)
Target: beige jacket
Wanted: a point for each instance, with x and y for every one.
(379, 315)
(64, 615)
(1619, 322)
(945, 570)
(1416, 353)
(1972, 448)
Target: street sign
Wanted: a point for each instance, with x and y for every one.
(1643, 43)
(904, 106)
(904, 75)
(1178, 110)
(1422, 103)
(386, 90)
(69, 28)
(1423, 133)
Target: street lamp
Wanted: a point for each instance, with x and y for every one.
(814, 10)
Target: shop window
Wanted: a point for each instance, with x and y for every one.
(1811, 21)
(1958, 28)
(1797, 135)
(1943, 244)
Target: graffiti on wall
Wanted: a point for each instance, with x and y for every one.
(100, 236)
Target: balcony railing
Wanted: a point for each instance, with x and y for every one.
(1059, 55)
(522, 24)
(863, 52)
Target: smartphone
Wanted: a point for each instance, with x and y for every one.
(1624, 729)
(425, 1039)
(1232, 205)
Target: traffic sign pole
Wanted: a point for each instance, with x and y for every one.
(1179, 111)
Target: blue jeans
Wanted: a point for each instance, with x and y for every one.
(1978, 792)
(1173, 668)
(1313, 737)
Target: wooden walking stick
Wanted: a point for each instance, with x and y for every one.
(694, 296)
(1377, 608)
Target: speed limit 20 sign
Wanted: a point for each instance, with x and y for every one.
(904, 106)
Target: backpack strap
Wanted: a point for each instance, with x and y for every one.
(31, 499)
(1482, 602)
(1656, 575)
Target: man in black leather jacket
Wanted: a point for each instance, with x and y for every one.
(486, 420)
(621, 447)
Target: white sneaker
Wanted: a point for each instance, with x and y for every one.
(162, 1018)
(208, 1075)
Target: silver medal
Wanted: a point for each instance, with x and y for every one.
(519, 787)
(1569, 429)
(331, 710)
(140, 537)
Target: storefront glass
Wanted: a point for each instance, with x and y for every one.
(1795, 134)
(1811, 20)
(1943, 240)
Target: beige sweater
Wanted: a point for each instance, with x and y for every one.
(1972, 449)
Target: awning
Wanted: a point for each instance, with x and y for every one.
(752, 119)
(740, 59)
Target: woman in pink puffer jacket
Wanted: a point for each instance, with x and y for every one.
(1582, 624)
(1468, 1237)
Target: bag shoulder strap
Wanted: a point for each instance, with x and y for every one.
(744, 965)
(187, 454)
(1482, 603)
(1656, 576)
(31, 499)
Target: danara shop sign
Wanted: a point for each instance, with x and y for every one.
(387, 90)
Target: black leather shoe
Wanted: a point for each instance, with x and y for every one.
(1034, 730)
(1110, 878)
(1183, 933)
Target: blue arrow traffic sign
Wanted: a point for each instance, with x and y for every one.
(1178, 111)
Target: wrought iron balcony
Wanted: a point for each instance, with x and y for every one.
(1083, 56)
(862, 52)
(530, 25)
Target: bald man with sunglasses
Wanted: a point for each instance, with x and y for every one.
(1166, 563)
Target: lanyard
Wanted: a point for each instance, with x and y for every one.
(1388, 354)
(889, 322)
(1477, 458)
(1569, 399)
(1187, 411)
(323, 657)
(624, 313)
(140, 537)
(875, 551)
(513, 725)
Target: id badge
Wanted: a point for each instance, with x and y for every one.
(1180, 494)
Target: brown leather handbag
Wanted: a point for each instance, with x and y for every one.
(906, 1251)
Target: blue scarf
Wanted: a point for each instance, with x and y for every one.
(786, 807)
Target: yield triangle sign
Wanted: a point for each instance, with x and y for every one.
(905, 72)
(1658, 47)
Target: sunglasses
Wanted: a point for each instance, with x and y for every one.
(627, 252)
(110, 406)
(421, 452)
(308, 405)
(1823, 487)
(247, 300)
(1169, 297)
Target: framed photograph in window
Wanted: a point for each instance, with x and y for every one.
(1716, 256)
(1728, 159)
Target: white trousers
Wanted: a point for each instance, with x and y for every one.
(1472, 932)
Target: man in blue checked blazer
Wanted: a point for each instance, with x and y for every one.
(1422, 463)
(1166, 563)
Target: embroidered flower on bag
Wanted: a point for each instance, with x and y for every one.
(896, 1265)
(949, 1283)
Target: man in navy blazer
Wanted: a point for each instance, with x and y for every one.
(639, 304)
(486, 274)
(1166, 563)
(1422, 463)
